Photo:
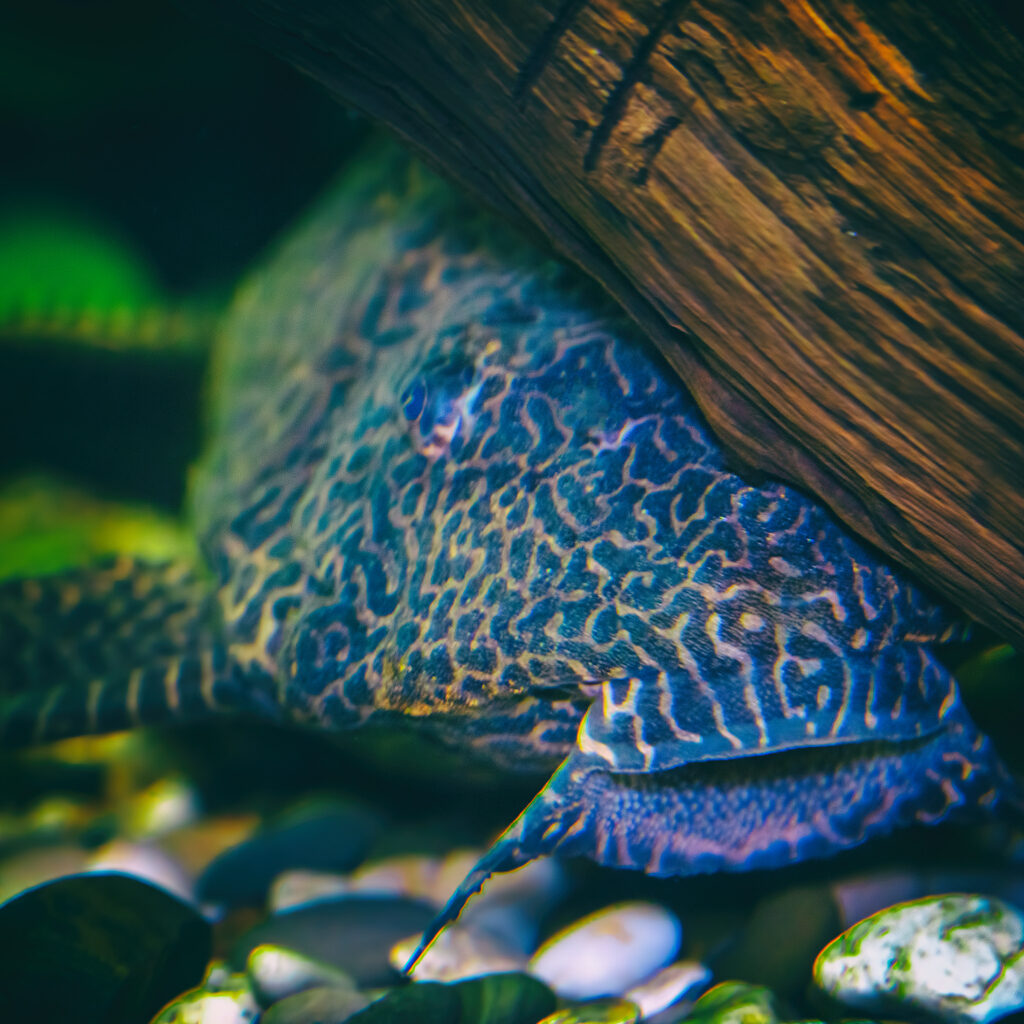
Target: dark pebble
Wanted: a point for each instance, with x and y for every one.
(511, 998)
(321, 835)
(108, 949)
(780, 941)
(315, 1006)
(352, 932)
(426, 1002)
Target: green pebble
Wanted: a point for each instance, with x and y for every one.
(735, 1002)
(597, 1011)
(316, 1006)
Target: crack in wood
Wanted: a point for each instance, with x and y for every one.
(539, 56)
(615, 105)
(653, 144)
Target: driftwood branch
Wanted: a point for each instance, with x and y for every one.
(813, 206)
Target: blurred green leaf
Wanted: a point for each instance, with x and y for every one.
(53, 259)
(507, 998)
(68, 276)
(47, 526)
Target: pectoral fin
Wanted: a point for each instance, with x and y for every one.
(100, 649)
(755, 812)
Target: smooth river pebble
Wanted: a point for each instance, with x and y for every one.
(298, 887)
(955, 957)
(276, 972)
(316, 1006)
(322, 835)
(354, 933)
(207, 1008)
(736, 1002)
(671, 985)
(609, 951)
(460, 951)
(147, 862)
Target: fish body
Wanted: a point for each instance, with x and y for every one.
(449, 486)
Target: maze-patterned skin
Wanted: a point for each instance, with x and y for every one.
(449, 486)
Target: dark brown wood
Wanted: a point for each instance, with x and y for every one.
(813, 206)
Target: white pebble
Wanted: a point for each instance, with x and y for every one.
(452, 869)
(166, 805)
(535, 885)
(956, 957)
(276, 973)
(208, 1008)
(459, 952)
(221, 1009)
(608, 952)
(517, 927)
(35, 866)
(410, 875)
(298, 887)
(145, 861)
(510, 904)
(688, 979)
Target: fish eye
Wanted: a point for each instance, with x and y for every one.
(413, 399)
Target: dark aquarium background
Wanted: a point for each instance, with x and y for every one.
(147, 160)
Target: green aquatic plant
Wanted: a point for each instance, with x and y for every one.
(70, 276)
(47, 526)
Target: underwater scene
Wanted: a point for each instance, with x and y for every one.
(386, 635)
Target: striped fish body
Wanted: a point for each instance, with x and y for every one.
(447, 486)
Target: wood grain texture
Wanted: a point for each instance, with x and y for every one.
(813, 206)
